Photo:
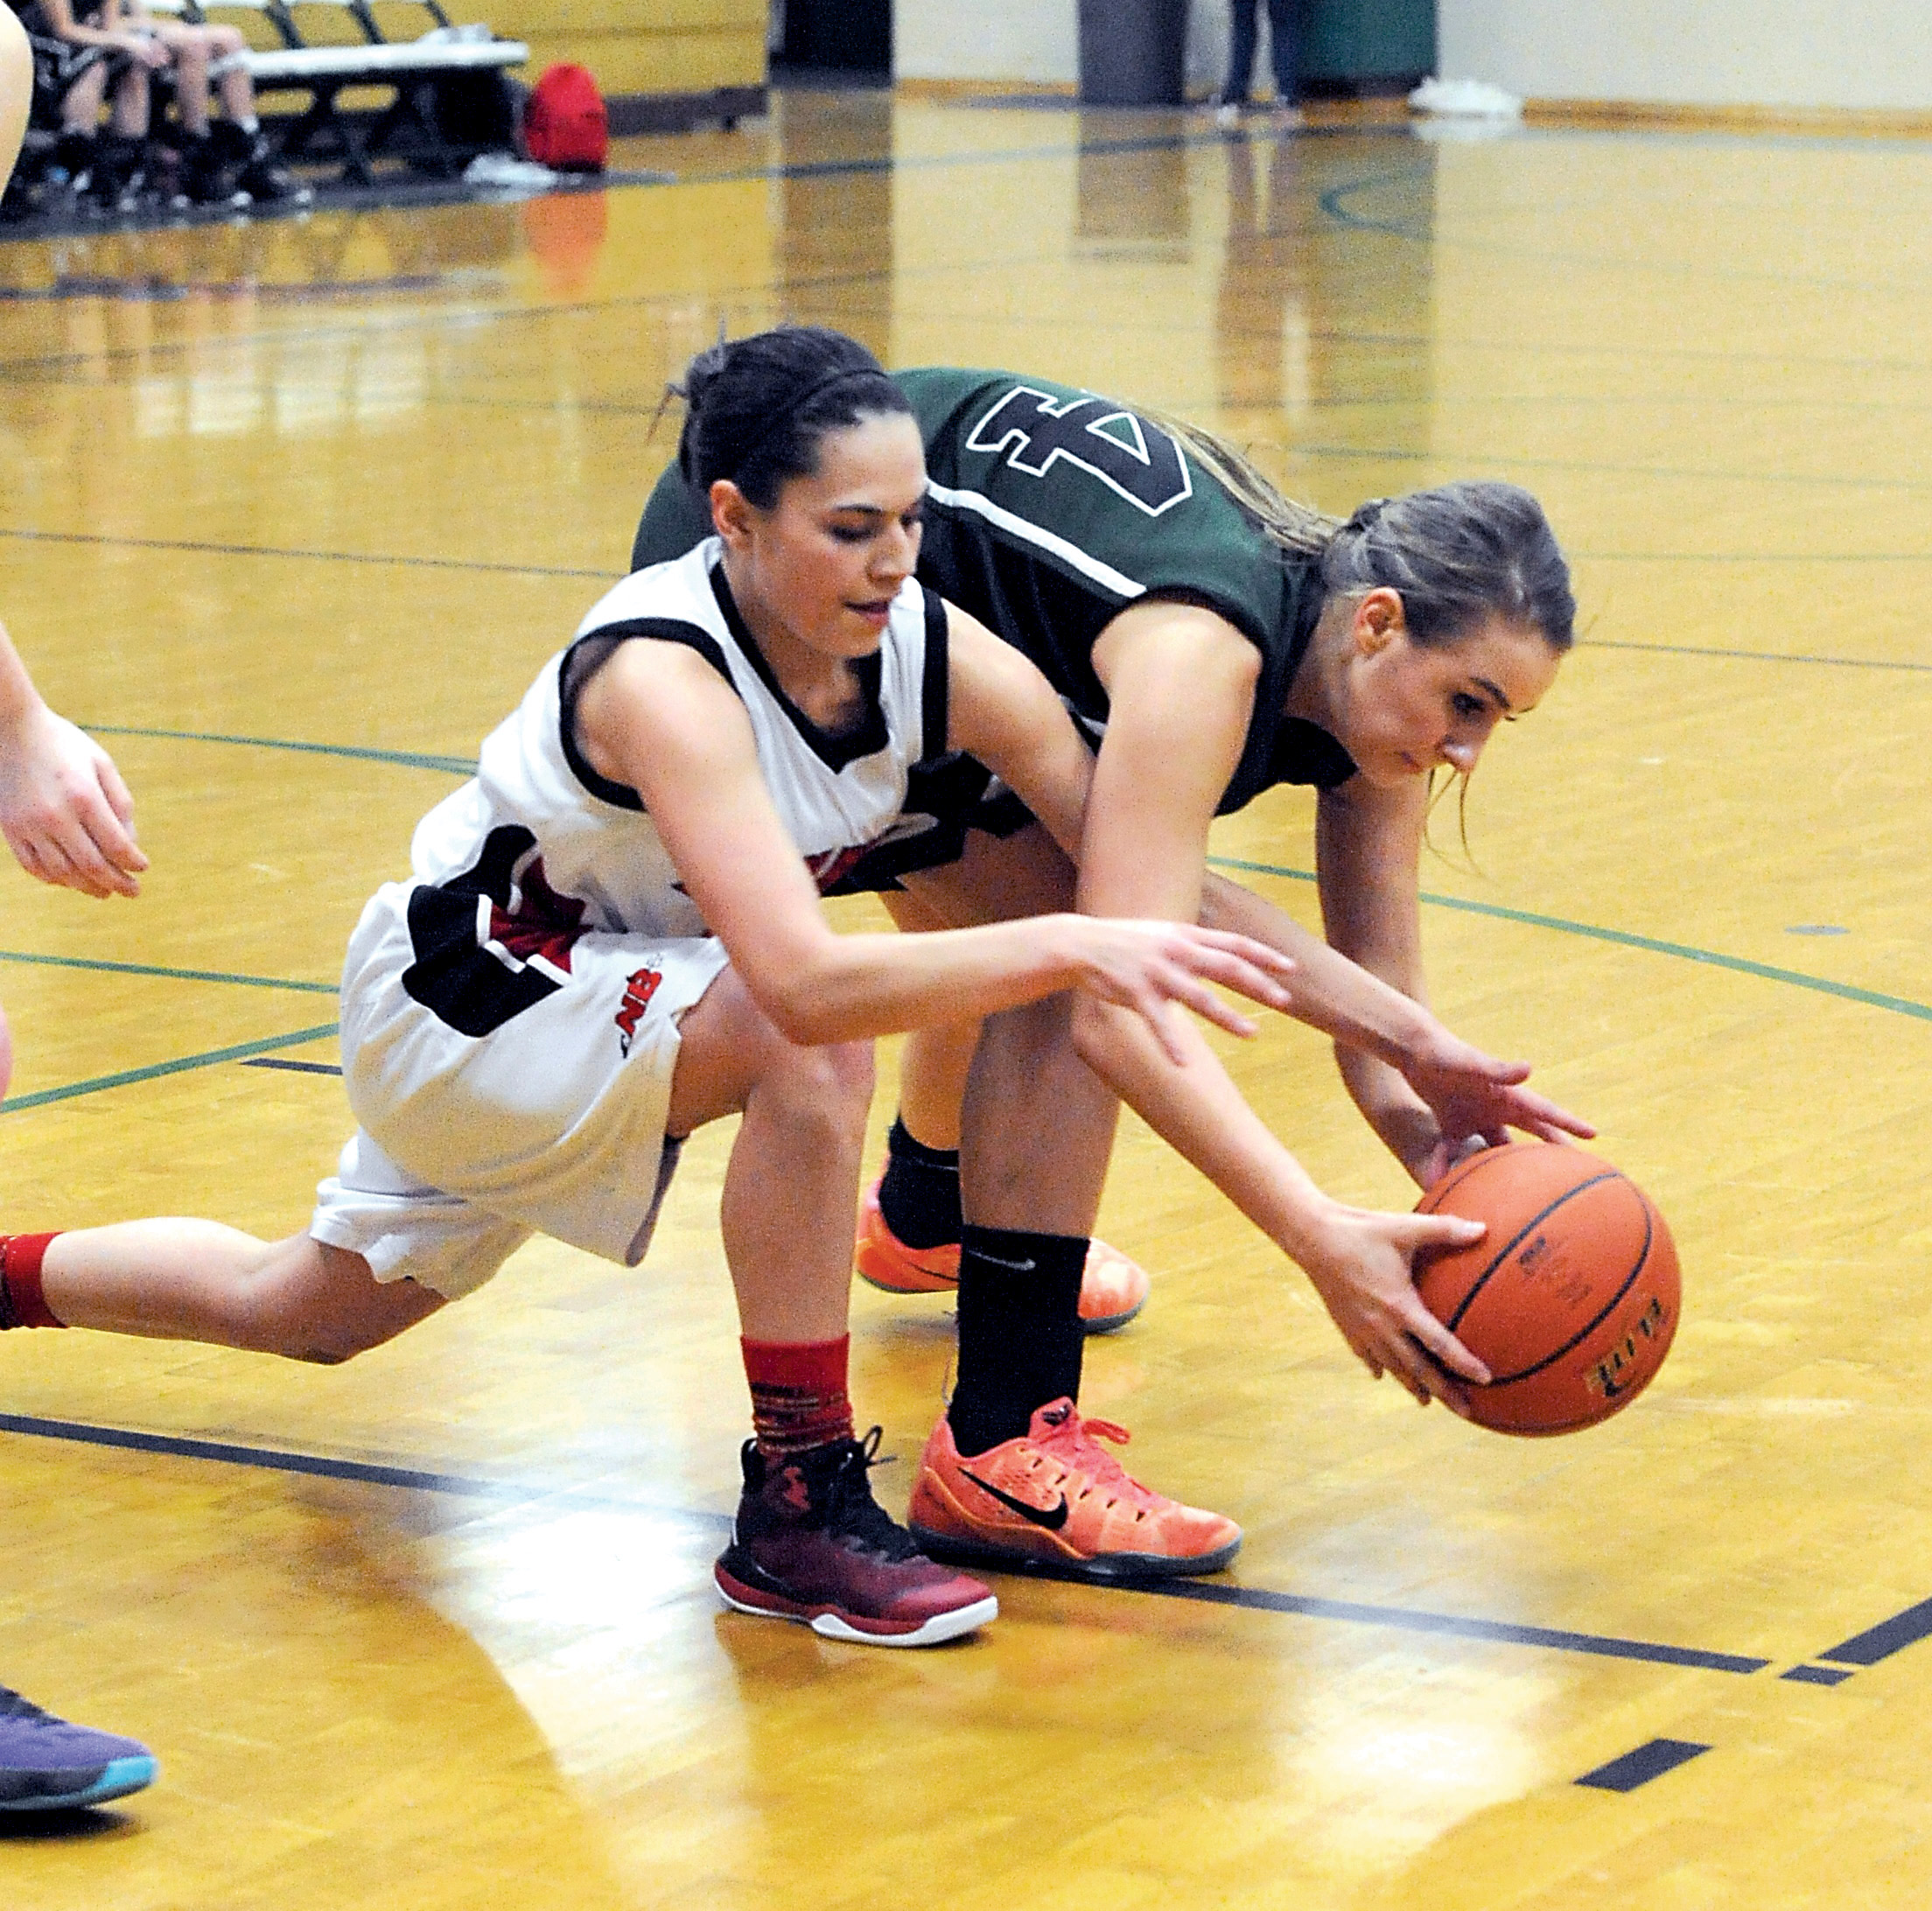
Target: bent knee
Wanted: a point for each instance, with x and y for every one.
(320, 1304)
(1032, 1034)
(315, 1356)
(830, 1081)
(842, 1072)
(296, 1334)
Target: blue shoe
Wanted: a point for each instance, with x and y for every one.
(47, 1764)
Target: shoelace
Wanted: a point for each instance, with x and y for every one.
(850, 1510)
(1074, 1443)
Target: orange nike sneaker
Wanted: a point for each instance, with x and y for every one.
(1112, 1289)
(1055, 1498)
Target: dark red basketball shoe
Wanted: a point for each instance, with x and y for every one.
(810, 1544)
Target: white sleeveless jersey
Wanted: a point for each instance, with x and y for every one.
(537, 849)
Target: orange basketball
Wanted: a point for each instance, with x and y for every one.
(1570, 1298)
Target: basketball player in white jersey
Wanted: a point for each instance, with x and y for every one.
(613, 935)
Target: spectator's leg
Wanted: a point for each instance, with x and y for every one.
(130, 103)
(1245, 30)
(80, 106)
(237, 88)
(190, 46)
(1284, 49)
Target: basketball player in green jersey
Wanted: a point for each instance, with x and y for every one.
(1213, 639)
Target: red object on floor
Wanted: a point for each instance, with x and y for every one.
(565, 124)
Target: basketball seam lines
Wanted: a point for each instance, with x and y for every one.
(1503, 1253)
(1609, 1307)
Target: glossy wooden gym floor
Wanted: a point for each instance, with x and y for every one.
(292, 513)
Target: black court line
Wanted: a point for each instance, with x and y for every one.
(1816, 1675)
(1254, 1599)
(1498, 1632)
(1880, 1641)
(1751, 557)
(1646, 1762)
(1479, 458)
(1332, 204)
(1764, 656)
(318, 557)
(358, 1472)
(724, 295)
(293, 1067)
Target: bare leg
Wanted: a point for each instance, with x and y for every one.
(237, 89)
(1037, 1124)
(190, 51)
(792, 1186)
(1037, 1127)
(933, 1063)
(789, 1196)
(80, 106)
(130, 104)
(196, 1280)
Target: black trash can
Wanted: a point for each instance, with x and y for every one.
(1133, 53)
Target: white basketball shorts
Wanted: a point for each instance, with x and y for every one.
(551, 1122)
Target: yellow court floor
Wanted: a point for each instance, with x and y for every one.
(293, 511)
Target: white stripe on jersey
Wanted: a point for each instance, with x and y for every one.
(1089, 566)
(607, 856)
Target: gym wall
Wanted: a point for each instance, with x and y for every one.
(1855, 53)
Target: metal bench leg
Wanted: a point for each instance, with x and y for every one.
(412, 114)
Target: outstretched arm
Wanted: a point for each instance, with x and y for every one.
(64, 812)
(657, 717)
(1421, 1088)
(1180, 682)
(1430, 1100)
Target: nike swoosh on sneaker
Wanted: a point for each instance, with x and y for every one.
(1051, 1517)
(1015, 1267)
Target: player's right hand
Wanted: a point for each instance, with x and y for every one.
(1476, 1098)
(64, 812)
(1146, 966)
(1363, 1270)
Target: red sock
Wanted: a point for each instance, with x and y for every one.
(798, 1393)
(20, 1258)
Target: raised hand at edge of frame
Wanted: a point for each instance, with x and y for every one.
(1148, 966)
(64, 812)
(1365, 1276)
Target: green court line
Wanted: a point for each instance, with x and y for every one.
(412, 759)
(211, 1059)
(1652, 945)
(168, 975)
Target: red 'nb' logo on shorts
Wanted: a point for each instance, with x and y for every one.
(639, 987)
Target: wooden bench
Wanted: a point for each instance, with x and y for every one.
(449, 84)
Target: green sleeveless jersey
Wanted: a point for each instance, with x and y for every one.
(1052, 509)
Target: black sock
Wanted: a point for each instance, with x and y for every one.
(73, 153)
(1020, 1332)
(919, 1193)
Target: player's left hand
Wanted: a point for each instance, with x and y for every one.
(1475, 1101)
(64, 812)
